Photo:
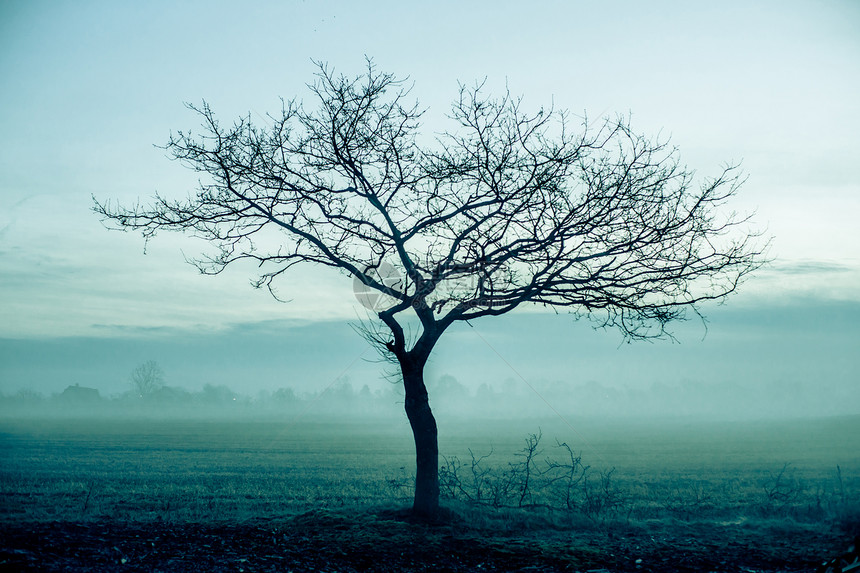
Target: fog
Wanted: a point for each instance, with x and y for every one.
(761, 362)
(84, 307)
(451, 400)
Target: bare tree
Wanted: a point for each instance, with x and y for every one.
(146, 378)
(508, 208)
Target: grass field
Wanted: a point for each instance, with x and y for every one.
(799, 477)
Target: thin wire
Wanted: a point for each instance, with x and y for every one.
(308, 404)
(295, 420)
(539, 395)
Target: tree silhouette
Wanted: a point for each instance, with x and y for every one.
(147, 378)
(508, 208)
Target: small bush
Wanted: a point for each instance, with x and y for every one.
(559, 482)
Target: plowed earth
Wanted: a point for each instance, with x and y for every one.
(388, 541)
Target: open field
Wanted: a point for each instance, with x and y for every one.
(782, 495)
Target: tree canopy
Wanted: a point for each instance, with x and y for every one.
(508, 207)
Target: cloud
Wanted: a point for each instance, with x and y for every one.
(11, 214)
(794, 281)
(809, 267)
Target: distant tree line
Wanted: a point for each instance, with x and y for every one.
(508, 398)
(340, 398)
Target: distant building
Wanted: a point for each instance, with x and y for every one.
(80, 394)
(169, 395)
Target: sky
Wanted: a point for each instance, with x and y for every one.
(91, 88)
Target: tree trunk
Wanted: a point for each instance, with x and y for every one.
(423, 424)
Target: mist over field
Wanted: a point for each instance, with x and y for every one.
(453, 401)
(749, 362)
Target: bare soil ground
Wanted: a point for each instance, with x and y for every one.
(388, 541)
(193, 496)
